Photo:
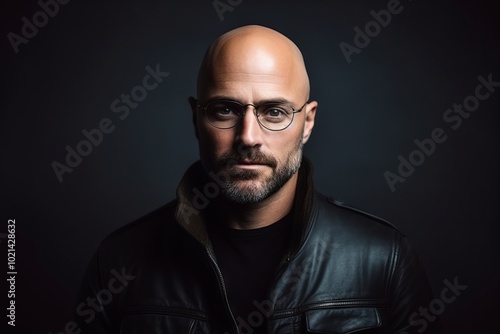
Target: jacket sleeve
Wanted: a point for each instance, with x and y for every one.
(411, 295)
(91, 315)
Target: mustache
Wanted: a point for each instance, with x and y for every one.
(250, 155)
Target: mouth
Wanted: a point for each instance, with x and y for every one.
(249, 164)
(254, 162)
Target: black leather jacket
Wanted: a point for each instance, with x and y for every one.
(346, 271)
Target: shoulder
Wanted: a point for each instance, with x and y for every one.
(339, 209)
(143, 231)
(340, 222)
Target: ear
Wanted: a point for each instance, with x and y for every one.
(310, 113)
(194, 107)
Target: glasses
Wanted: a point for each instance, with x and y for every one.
(274, 116)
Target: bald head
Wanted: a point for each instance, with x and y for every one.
(253, 54)
(260, 152)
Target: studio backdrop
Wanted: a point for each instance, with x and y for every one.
(97, 132)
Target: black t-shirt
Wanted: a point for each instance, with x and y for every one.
(248, 260)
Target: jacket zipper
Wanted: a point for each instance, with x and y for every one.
(317, 306)
(222, 286)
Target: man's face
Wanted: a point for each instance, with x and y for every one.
(253, 161)
(251, 175)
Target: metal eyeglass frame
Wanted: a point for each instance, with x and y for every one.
(244, 108)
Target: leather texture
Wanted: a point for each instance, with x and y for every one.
(346, 272)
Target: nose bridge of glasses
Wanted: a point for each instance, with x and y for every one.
(221, 114)
(244, 108)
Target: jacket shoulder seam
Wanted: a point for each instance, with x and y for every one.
(342, 205)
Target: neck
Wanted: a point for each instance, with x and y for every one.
(262, 214)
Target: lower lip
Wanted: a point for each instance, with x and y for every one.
(249, 166)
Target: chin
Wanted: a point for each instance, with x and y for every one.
(251, 191)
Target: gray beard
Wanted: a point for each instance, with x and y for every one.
(255, 194)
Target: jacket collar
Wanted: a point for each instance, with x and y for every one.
(192, 202)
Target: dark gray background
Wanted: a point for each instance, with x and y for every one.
(370, 112)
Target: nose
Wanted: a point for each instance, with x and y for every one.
(249, 130)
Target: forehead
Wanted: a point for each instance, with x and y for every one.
(252, 67)
(250, 89)
(252, 75)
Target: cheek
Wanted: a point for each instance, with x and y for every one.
(285, 146)
(290, 147)
(214, 142)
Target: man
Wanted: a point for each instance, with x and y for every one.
(248, 246)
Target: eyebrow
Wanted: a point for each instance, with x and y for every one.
(278, 100)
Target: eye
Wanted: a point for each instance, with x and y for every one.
(223, 110)
(274, 113)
